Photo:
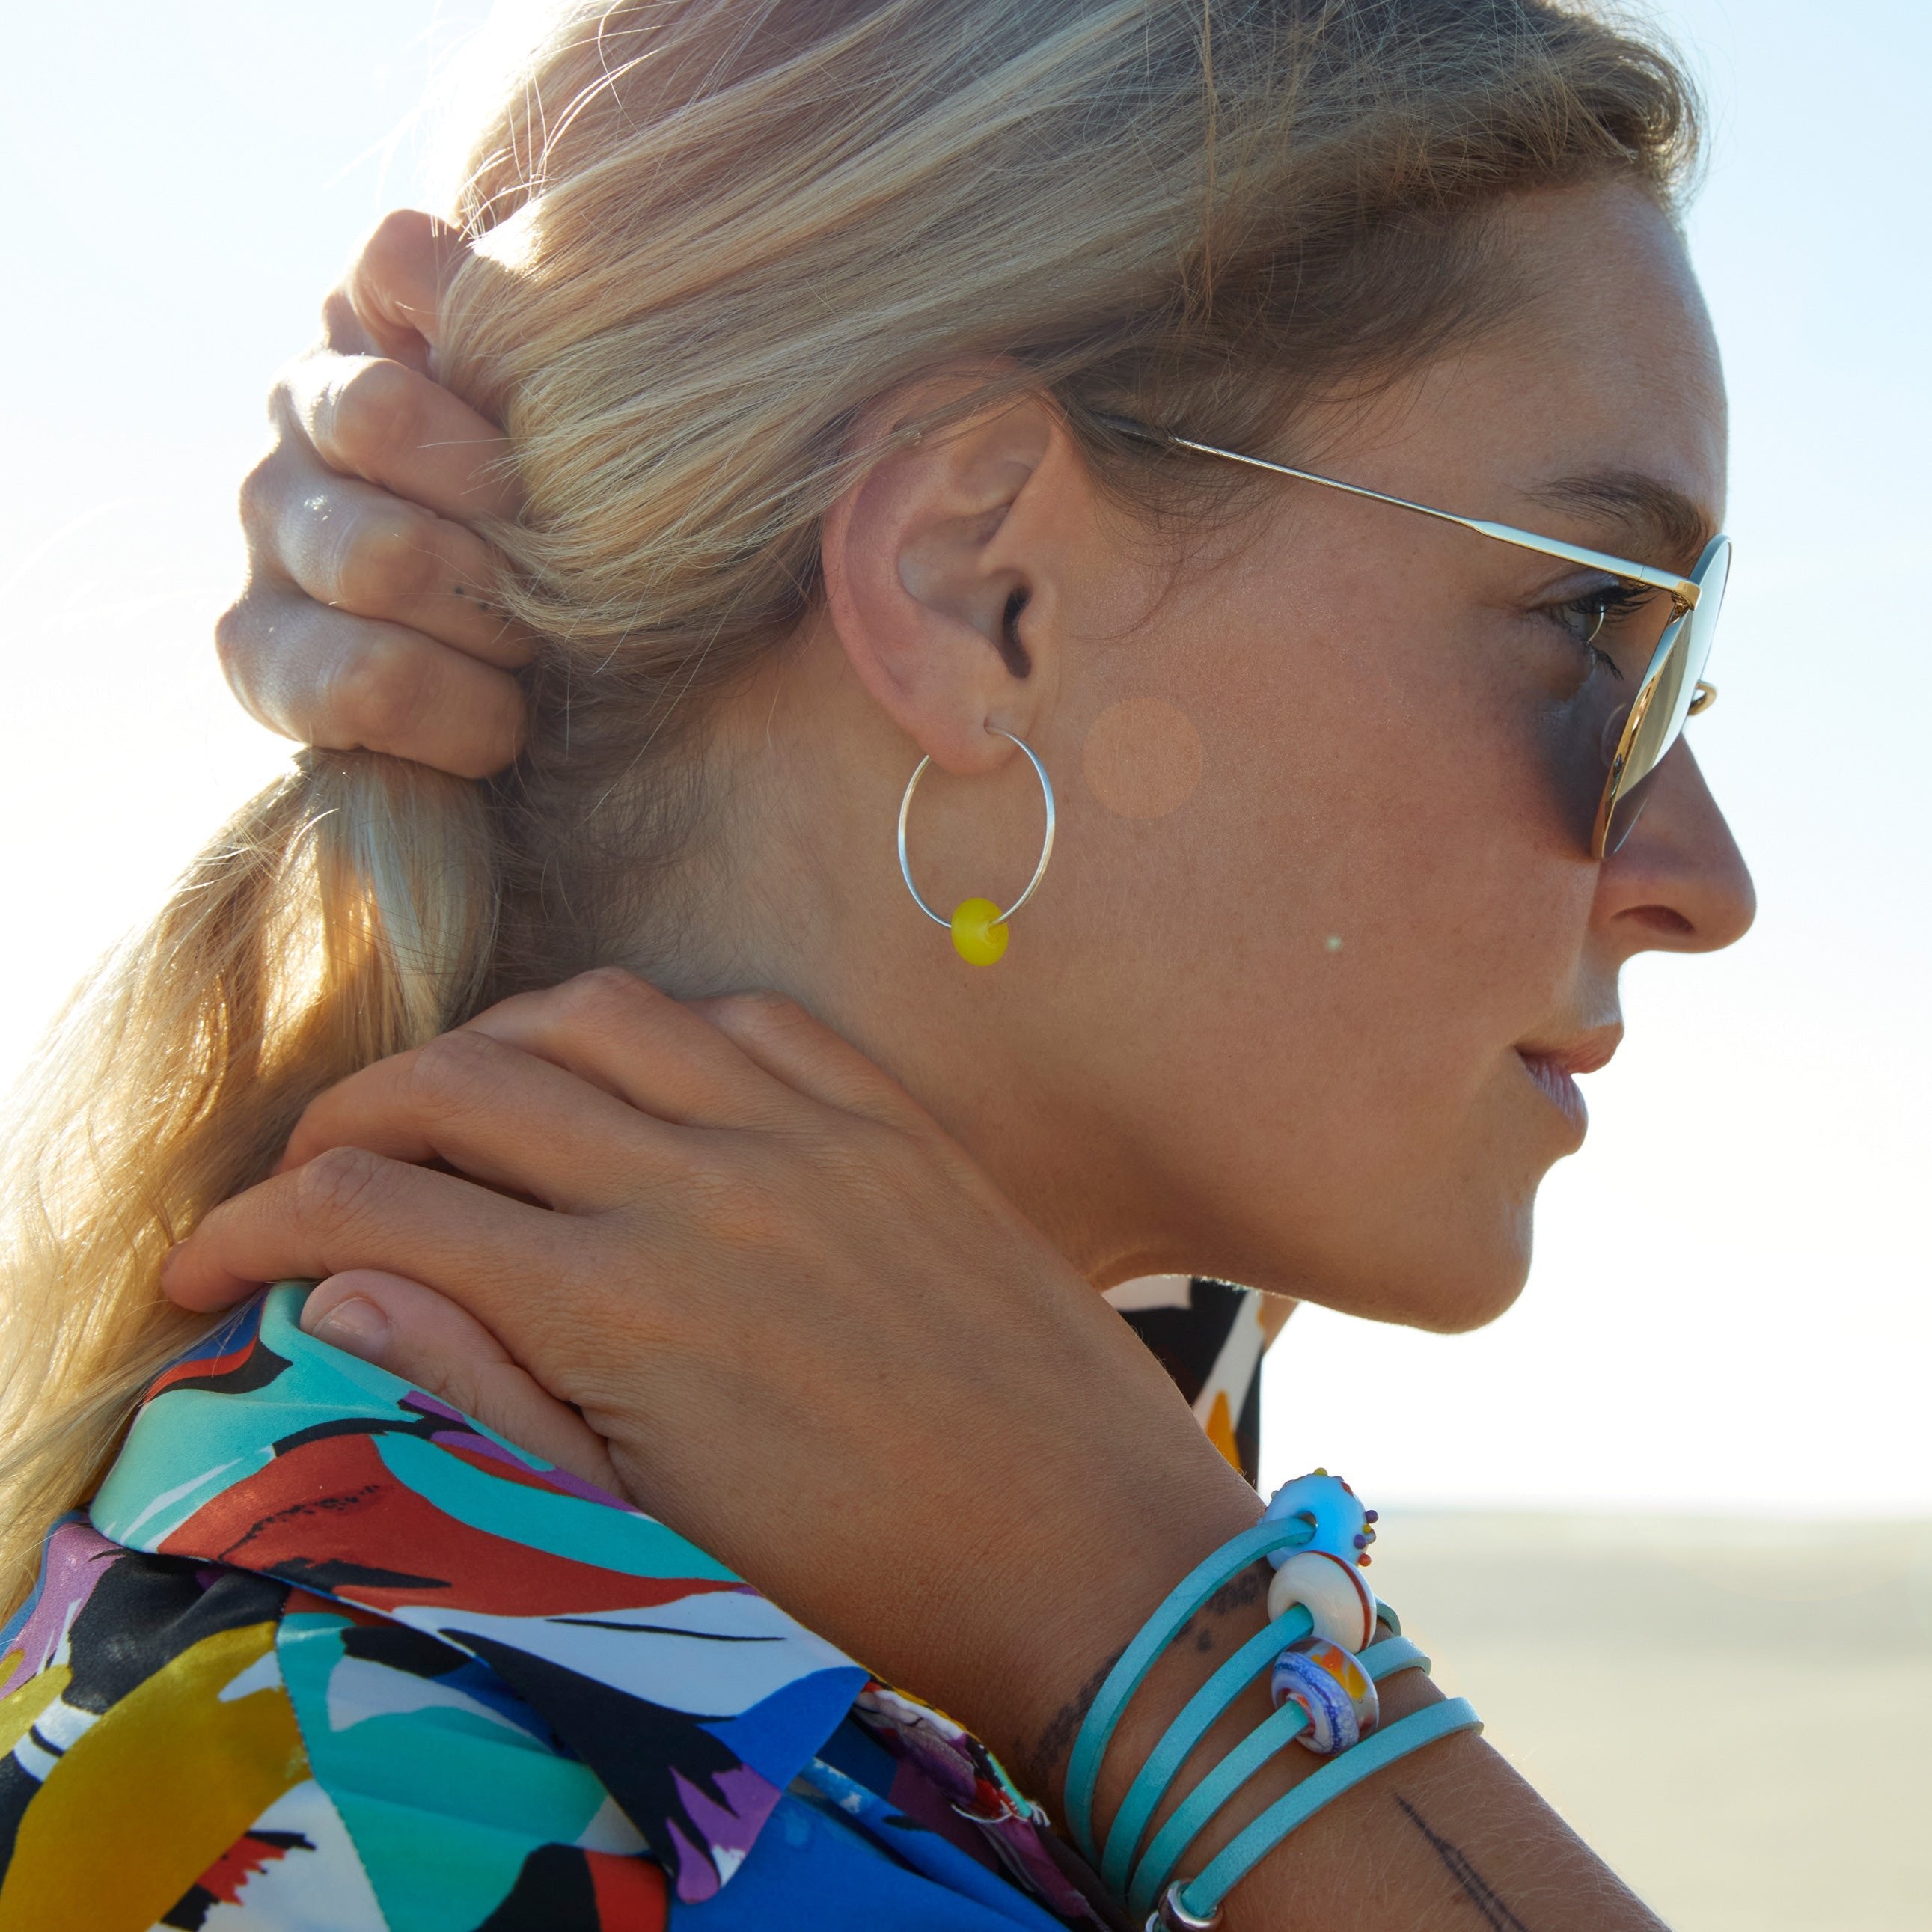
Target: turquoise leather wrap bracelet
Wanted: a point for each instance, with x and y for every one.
(1182, 1602)
(1189, 1817)
(1199, 1898)
(1198, 1716)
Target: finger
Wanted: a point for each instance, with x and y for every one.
(612, 1028)
(375, 417)
(356, 547)
(347, 683)
(437, 1345)
(344, 333)
(791, 1045)
(395, 283)
(507, 1118)
(351, 1209)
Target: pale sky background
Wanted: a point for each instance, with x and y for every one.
(1731, 1306)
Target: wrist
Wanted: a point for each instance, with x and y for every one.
(1079, 1598)
(1193, 1695)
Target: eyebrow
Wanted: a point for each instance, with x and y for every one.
(1652, 522)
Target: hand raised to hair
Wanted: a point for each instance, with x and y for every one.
(814, 1336)
(362, 623)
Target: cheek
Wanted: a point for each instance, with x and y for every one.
(1392, 900)
(1382, 820)
(1143, 758)
(1324, 932)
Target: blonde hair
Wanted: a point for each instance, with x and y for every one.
(707, 233)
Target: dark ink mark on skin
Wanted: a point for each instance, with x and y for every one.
(1250, 1587)
(1238, 1593)
(1476, 1889)
(1057, 1740)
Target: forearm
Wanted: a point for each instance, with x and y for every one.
(1449, 1835)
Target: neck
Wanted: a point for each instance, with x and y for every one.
(799, 892)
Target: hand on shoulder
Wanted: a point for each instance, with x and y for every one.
(717, 1244)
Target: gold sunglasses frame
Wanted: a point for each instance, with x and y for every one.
(1684, 592)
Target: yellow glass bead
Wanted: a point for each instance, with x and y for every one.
(977, 938)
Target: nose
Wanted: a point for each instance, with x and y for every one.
(1678, 883)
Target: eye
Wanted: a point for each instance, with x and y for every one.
(1596, 613)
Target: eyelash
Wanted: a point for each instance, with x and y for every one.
(1604, 603)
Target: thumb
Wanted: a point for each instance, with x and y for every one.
(425, 1338)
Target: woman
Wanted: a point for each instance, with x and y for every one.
(885, 387)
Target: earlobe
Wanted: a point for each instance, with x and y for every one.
(940, 568)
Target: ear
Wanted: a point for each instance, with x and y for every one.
(944, 568)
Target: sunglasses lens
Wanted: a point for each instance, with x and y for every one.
(1664, 702)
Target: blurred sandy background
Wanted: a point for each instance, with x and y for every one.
(1662, 1522)
(1735, 1713)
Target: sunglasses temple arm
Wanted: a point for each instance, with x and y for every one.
(1681, 588)
(1333, 483)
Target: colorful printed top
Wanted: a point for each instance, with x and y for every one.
(324, 1653)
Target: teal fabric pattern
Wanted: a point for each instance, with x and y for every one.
(325, 1653)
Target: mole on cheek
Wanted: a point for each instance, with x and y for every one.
(1143, 757)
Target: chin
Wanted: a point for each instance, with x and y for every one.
(1473, 1269)
(1446, 1270)
(1472, 1299)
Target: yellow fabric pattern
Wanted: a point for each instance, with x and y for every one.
(118, 1808)
(1221, 1429)
(19, 1712)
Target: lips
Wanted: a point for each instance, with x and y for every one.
(1555, 1068)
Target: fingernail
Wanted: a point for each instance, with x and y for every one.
(356, 1326)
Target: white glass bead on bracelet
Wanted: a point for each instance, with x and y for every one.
(1337, 1595)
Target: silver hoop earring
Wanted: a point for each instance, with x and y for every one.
(978, 926)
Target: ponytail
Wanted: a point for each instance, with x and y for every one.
(344, 914)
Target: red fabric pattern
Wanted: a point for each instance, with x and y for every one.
(335, 1495)
(631, 1894)
(246, 1859)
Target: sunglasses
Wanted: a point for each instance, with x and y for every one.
(1633, 741)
